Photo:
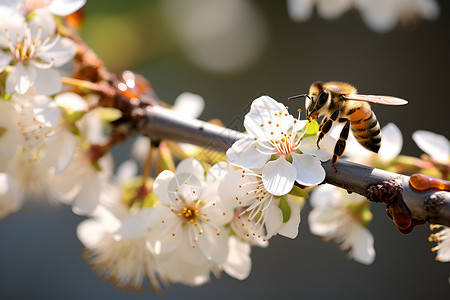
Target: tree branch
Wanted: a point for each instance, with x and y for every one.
(378, 185)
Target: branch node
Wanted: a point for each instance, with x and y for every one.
(385, 192)
(390, 193)
(433, 202)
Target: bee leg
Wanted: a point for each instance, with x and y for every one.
(341, 143)
(325, 126)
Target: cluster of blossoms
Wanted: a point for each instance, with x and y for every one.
(379, 15)
(196, 219)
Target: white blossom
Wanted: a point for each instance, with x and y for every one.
(272, 144)
(342, 218)
(190, 215)
(33, 53)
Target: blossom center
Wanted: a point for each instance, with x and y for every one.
(189, 213)
(26, 48)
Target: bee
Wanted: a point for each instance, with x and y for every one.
(340, 101)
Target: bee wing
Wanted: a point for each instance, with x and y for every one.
(387, 100)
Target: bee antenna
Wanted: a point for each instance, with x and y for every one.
(299, 96)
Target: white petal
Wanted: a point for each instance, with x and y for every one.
(186, 187)
(229, 188)
(309, 169)
(191, 255)
(127, 170)
(62, 151)
(88, 197)
(309, 146)
(5, 59)
(12, 21)
(65, 7)
(218, 171)
(140, 149)
(90, 233)
(213, 245)
(290, 228)
(322, 222)
(392, 143)
(239, 263)
(324, 195)
(217, 214)
(46, 111)
(62, 52)
(300, 10)
(244, 154)
(274, 219)
(278, 176)
(191, 166)
(48, 81)
(362, 245)
(131, 227)
(44, 21)
(435, 145)
(261, 112)
(71, 102)
(189, 105)
(429, 10)
(161, 186)
(332, 9)
(380, 16)
(20, 79)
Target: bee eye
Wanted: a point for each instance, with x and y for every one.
(323, 97)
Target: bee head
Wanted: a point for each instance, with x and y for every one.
(318, 97)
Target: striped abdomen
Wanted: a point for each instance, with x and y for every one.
(364, 125)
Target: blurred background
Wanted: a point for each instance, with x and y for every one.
(230, 52)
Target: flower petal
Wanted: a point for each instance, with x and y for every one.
(300, 10)
(290, 228)
(131, 227)
(362, 245)
(308, 145)
(392, 143)
(261, 112)
(309, 169)
(332, 9)
(274, 219)
(189, 105)
(161, 186)
(48, 81)
(191, 166)
(246, 154)
(61, 152)
(435, 145)
(239, 263)
(20, 79)
(214, 245)
(278, 176)
(90, 233)
(5, 59)
(127, 170)
(42, 20)
(62, 52)
(65, 7)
